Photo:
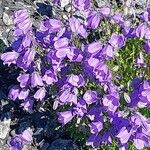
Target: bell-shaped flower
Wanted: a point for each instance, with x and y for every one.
(40, 94)
(9, 57)
(24, 80)
(76, 80)
(36, 79)
(14, 92)
(65, 117)
(90, 97)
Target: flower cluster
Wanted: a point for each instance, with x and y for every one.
(60, 60)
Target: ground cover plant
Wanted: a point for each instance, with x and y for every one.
(89, 65)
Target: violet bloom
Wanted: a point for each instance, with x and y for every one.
(51, 25)
(146, 15)
(28, 57)
(61, 45)
(118, 18)
(81, 109)
(26, 135)
(93, 20)
(111, 100)
(94, 48)
(117, 41)
(102, 73)
(76, 80)
(111, 103)
(23, 94)
(23, 21)
(9, 57)
(90, 97)
(75, 55)
(65, 117)
(123, 135)
(28, 104)
(40, 94)
(96, 127)
(94, 140)
(144, 94)
(36, 80)
(50, 77)
(77, 27)
(27, 41)
(81, 4)
(14, 92)
(141, 30)
(95, 113)
(93, 62)
(108, 51)
(16, 143)
(67, 97)
(141, 141)
(24, 80)
(105, 11)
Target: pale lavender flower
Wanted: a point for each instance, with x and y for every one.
(14, 92)
(117, 41)
(77, 27)
(24, 80)
(9, 57)
(81, 4)
(65, 117)
(90, 96)
(40, 94)
(76, 80)
(36, 79)
(96, 127)
(23, 94)
(105, 11)
(93, 20)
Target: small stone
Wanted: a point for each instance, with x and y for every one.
(7, 19)
(4, 147)
(5, 126)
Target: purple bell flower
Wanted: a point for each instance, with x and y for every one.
(23, 21)
(28, 104)
(81, 4)
(123, 135)
(36, 80)
(9, 57)
(75, 55)
(14, 92)
(81, 109)
(93, 20)
(141, 30)
(65, 117)
(94, 140)
(90, 97)
(105, 11)
(96, 127)
(117, 41)
(76, 80)
(50, 77)
(94, 48)
(26, 135)
(40, 94)
(77, 27)
(23, 94)
(24, 80)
